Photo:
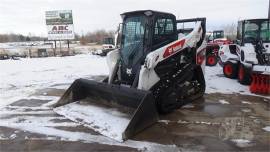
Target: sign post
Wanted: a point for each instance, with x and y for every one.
(60, 25)
(269, 10)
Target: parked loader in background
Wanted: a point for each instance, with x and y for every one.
(158, 68)
(249, 60)
(107, 46)
(215, 40)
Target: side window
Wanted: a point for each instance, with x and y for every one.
(239, 30)
(265, 31)
(163, 26)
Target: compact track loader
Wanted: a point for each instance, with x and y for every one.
(158, 67)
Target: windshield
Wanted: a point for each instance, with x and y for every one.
(132, 38)
(218, 34)
(251, 32)
(256, 30)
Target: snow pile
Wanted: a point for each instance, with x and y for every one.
(20, 78)
(108, 122)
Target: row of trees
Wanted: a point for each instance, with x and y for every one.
(18, 38)
(96, 36)
(90, 37)
(230, 31)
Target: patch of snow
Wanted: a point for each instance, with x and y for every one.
(246, 102)
(2, 137)
(13, 136)
(223, 102)
(20, 78)
(188, 106)
(164, 121)
(44, 97)
(206, 123)
(108, 122)
(4, 113)
(182, 122)
(267, 128)
(241, 142)
(89, 138)
(49, 104)
(25, 108)
(33, 121)
(246, 110)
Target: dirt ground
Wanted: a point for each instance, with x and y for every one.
(212, 123)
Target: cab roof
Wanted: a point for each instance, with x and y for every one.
(146, 12)
(255, 20)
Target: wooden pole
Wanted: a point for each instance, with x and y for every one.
(269, 10)
(60, 47)
(54, 51)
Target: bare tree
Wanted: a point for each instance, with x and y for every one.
(96, 36)
(230, 31)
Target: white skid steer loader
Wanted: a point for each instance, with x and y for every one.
(157, 69)
(249, 60)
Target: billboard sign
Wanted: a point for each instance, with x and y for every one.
(60, 25)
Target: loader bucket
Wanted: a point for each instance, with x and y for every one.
(115, 111)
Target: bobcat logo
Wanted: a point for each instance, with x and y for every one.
(129, 71)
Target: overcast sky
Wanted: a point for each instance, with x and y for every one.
(28, 16)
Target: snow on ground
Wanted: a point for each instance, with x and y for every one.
(20, 78)
(246, 102)
(46, 125)
(241, 142)
(223, 102)
(216, 82)
(267, 128)
(108, 122)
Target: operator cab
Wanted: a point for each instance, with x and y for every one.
(143, 32)
(216, 35)
(257, 33)
(252, 31)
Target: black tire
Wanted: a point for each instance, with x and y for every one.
(211, 60)
(244, 75)
(230, 70)
(163, 106)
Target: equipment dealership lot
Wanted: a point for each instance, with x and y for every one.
(228, 118)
